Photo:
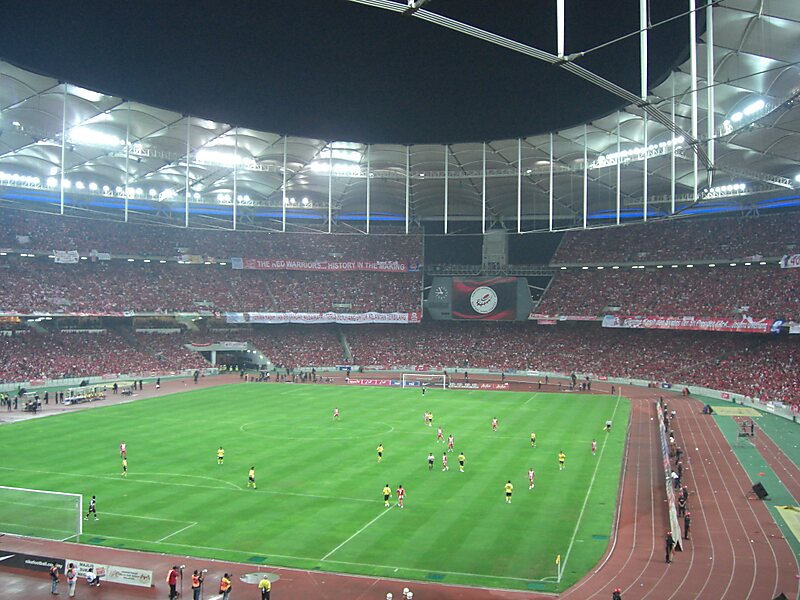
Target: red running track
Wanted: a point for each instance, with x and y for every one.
(720, 562)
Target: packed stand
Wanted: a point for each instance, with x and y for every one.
(32, 355)
(749, 364)
(38, 232)
(37, 285)
(758, 291)
(726, 238)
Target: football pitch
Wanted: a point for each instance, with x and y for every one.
(319, 502)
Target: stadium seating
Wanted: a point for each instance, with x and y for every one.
(765, 291)
(683, 240)
(39, 232)
(114, 287)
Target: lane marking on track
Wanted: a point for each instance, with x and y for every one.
(357, 532)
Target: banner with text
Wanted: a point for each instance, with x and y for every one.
(327, 317)
(114, 574)
(740, 325)
(271, 264)
(66, 257)
(492, 299)
(790, 261)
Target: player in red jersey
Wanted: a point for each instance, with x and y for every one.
(594, 447)
(450, 442)
(494, 424)
(439, 435)
(123, 449)
(531, 475)
(400, 495)
(444, 462)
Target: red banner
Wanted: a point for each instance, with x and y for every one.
(272, 264)
(740, 325)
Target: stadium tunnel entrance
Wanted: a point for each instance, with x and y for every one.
(239, 354)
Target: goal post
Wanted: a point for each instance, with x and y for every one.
(430, 380)
(41, 513)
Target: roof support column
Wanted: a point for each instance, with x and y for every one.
(186, 185)
(672, 156)
(710, 88)
(643, 21)
(283, 185)
(235, 171)
(63, 150)
(127, 157)
(446, 183)
(483, 192)
(368, 182)
(693, 61)
(408, 184)
(330, 187)
(585, 174)
(519, 185)
(560, 27)
(619, 167)
(550, 191)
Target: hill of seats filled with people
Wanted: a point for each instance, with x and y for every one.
(103, 338)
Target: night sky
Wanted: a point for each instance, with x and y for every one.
(334, 70)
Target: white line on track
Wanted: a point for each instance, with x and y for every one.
(588, 492)
(357, 532)
(166, 537)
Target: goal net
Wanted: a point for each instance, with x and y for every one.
(424, 380)
(39, 513)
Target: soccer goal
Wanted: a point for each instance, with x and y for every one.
(424, 380)
(39, 513)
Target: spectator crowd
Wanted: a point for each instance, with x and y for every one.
(727, 238)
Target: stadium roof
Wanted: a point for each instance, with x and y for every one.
(113, 148)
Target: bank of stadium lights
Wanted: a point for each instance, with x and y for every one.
(17, 179)
(749, 113)
(636, 154)
(338, 168)
(86, 136)
(224, 159)
(719, 191)
(797, 178)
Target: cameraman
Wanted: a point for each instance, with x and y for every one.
(197, 583)
(172, 582)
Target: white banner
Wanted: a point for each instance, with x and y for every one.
(66, 257)
(234, 345)
(328, 317)
(95, 255)
(790, 261)
(794, 328)
(114, 574)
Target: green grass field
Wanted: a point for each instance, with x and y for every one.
(319, 503)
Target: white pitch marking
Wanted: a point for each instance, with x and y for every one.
(356, 533)
(166, 537)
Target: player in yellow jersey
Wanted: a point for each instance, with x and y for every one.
(380, 452)
(461, 459)
(124, 467)
(533, 439)
(561, 458)
(509, 491)
(220, 455)
(387, 493)
(251, 478)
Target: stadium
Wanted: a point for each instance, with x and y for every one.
(536, 337)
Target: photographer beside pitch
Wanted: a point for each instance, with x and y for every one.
(197, 583)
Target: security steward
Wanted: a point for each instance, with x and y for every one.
(197, 584)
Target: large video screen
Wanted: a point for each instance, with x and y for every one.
(492, 299)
